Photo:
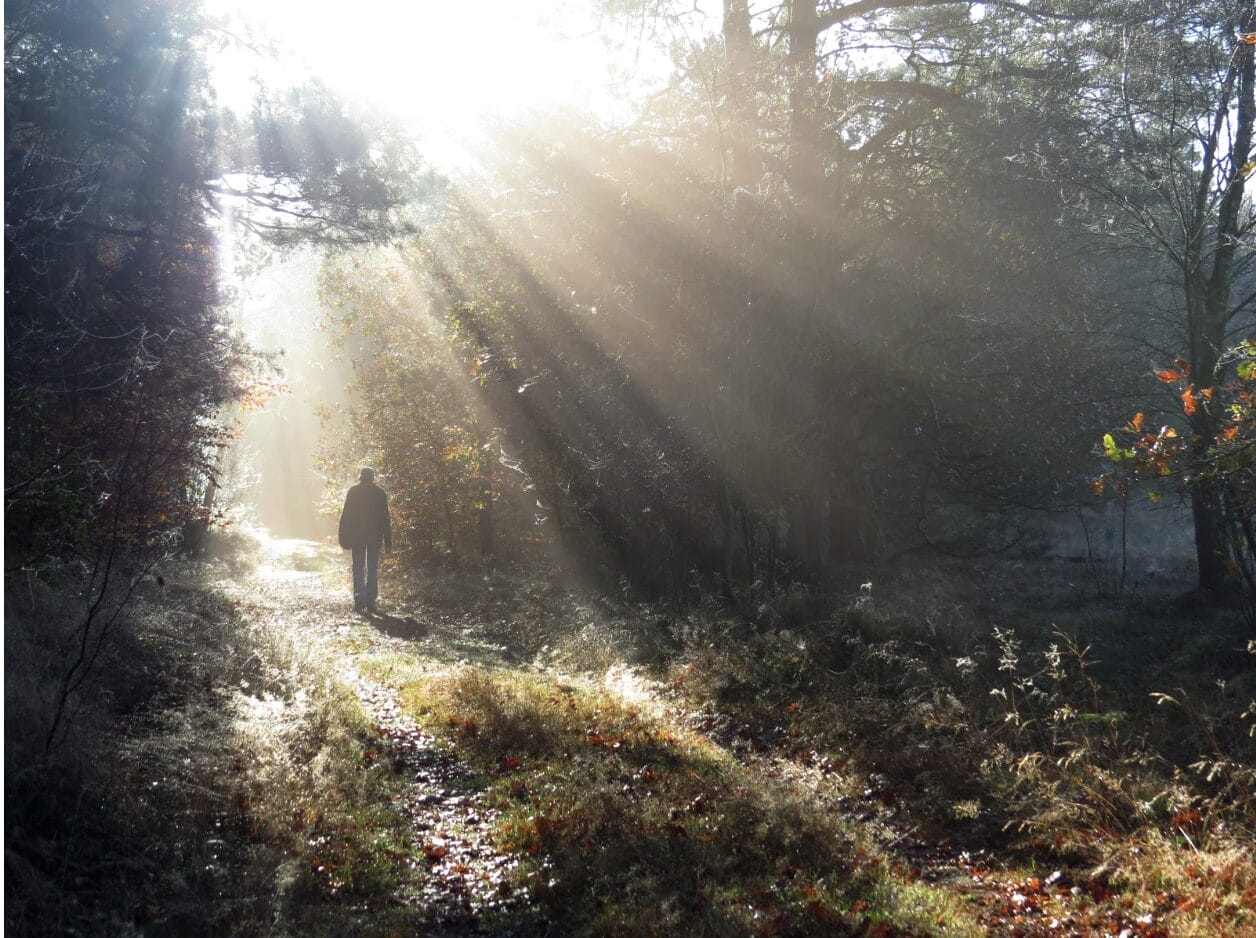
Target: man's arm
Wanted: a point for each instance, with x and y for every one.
(387, 526)
(340, 532)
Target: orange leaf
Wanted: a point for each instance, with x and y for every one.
(1168, 375)
(1247, 39)
(614, 742)
(1183, 818)
(1189, 403)
(1137, 422)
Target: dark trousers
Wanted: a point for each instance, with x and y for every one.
(365, 575)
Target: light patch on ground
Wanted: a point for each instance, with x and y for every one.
(633, 688)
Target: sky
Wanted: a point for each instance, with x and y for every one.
(443, 67)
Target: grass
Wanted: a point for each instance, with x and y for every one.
(631, 824)
(214, 781)
(1054, 743)
(762, 779)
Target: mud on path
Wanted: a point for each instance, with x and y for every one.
(298, 590)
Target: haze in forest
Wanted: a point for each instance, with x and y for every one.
(817, 443)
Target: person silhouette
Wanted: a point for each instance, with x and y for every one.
(365, 526)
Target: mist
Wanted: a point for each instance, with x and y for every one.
(813, 478)
(283, 474)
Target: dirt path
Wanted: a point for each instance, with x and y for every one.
(299, 589)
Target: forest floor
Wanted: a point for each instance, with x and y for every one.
(545, 793)
(497, 757)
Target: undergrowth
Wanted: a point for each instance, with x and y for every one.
(212, 780)
(1098, 738)
(632, 825)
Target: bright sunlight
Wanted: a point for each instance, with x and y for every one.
(443, 68)
(715, 468)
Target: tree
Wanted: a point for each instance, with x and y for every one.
(1156, 454)
(701, 369)
(115, 361)
(118, 363)
(1166, 157)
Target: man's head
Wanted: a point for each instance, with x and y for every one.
(366, 475)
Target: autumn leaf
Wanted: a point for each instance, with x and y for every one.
(544, 826)
(1247, 39)
(613, 742)
(1184, 819)
(820, 911)
(1189, 402)
(1136, 423)
(1168, 375)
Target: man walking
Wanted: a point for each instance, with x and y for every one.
(364, 527)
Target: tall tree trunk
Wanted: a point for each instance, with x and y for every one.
(1208, 297)
(805, 168)
(740, 112)
(484, 514)
(728, 518)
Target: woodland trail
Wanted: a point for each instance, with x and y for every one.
(299, 588)
(467, 882)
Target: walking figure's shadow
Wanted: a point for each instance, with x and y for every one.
(397, 626)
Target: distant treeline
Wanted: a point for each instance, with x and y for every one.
(864, 278)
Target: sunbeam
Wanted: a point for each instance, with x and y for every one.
(630, 467)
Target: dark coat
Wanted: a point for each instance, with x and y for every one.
(364, 521)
